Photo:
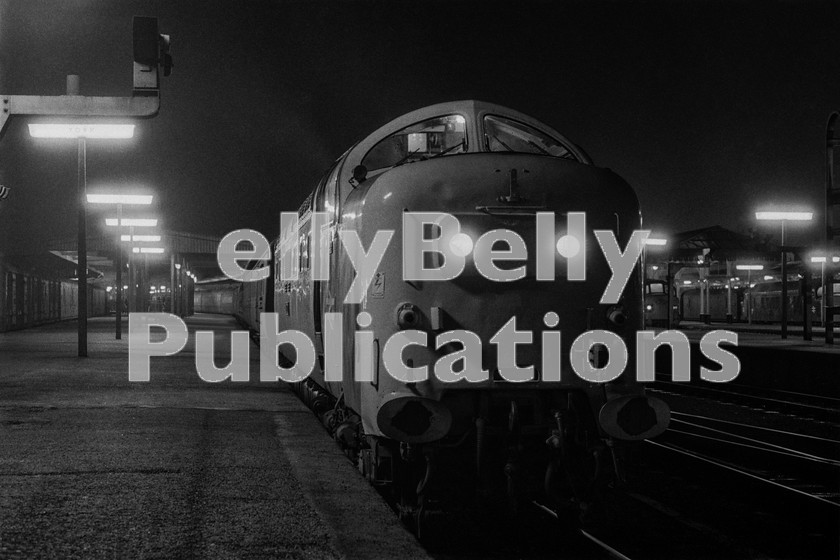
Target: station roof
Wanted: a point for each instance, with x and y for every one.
(196, 252)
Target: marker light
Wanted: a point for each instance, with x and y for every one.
(461, 244)
(784, 215)
(750, 267)
(568, 246)
(81, 130)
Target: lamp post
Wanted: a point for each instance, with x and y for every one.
(659, 242)
(119, 200)
(784, 216)
(749, 268)
(81, 132)
(131, 223)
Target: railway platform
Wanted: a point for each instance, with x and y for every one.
(94, 466)
(770, 362)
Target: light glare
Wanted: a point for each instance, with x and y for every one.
(134, 222)
(774, 215)
(79, 130)
(141, 238)
(568, 246)
(461, 244)
(119, 198)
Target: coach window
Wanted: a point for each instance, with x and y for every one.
(439, 136)
(507, 135)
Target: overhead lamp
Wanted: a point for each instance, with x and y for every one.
(81, 130)
(784, 215)
(131, 222)
(141, 238)
(128, 199)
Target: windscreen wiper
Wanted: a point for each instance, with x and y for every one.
(449, 149)
(408, 155)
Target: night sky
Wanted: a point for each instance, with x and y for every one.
(707, 109)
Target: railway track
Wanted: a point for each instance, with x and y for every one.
(802, 463)
(803, 404)
(773, 456)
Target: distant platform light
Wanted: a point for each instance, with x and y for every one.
(749, 267)
(778, 215)
(768, 277)
(132, 222)
(657, 241)
(120, 198)
(141, 238)
(148, 250)
(81, 130)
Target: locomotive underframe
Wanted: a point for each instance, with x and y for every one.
(518, 446)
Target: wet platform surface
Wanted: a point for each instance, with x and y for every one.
(94, 466)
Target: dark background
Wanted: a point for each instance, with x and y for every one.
(708, 109)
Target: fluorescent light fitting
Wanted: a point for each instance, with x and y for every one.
(81, 130)
(141, 238)
(749, 267)
(801, 216)
(656, 241)
(152, 250)
(136, 222)
(119, 198)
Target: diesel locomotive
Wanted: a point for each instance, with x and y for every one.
(448, 446)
